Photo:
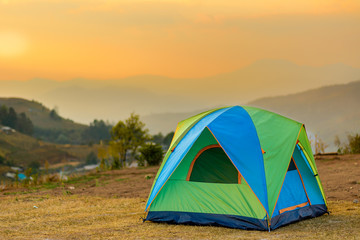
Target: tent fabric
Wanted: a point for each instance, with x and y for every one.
(239, 167)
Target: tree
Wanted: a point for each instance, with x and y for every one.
(28, 175)
(3, 114)
(97, 131)
(163, 140)
(24, 124)
(11, 118)
(128, 136)
(337, 142)
(320, 146)
(34, 165)
(91, 158)
(54, 115)
(158, 138)
(354, 143)
(167, 139)
(102, 155)
(2, 160)
(152, 153)
(46, 166)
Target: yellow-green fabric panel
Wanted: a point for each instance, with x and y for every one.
(304, 141)
(277, 136)
(205, 139)
(216, 198)
(184, 126)
(306, 147)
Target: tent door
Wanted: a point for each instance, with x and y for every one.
(212, 165)
(293, 194)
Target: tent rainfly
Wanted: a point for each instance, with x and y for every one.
(238, 167)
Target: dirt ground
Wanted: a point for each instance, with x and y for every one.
(340, 176)
(109, 205)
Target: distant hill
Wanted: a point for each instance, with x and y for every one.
(48, 126)
(21, 150)
(114, 99)
(166, 122)
(326, 111)
(17, 149)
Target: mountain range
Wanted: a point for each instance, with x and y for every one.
(83, 100)
(326, 111)
(293, 90)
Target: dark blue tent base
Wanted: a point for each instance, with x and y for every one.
(233, 221)
(207, 219)
(298, 215)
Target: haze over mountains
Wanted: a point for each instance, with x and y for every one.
(326, 111)
(84, 100)
(277, 85)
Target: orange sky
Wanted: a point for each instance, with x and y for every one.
(111, 39)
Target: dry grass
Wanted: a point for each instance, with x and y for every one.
(90, 217)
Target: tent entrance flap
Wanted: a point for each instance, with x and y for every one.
(212, 165)
(292, 194)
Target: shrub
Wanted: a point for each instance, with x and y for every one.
(2, 160)
(152, 153)
(116, 163)
(91, 158)
(35, 166)
(354, 143)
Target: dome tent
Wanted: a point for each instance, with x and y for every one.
(239, 167)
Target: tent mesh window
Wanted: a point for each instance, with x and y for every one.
(213, 166)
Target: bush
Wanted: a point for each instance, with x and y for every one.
(353, 145)
(2, 160)
(91, 159)
(152, 153)
(35, 166)
(54, 115)
(116, 163)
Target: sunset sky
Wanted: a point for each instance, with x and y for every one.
(63, 40)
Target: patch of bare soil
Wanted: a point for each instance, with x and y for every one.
(340, 176)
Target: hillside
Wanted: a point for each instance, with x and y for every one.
(112, 99)
(326, 111)
(21, 150)
(166, 122)
(46, 127)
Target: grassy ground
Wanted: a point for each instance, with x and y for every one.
(109, 205)
(84, 217)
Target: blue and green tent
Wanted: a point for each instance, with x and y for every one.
(239, 167)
